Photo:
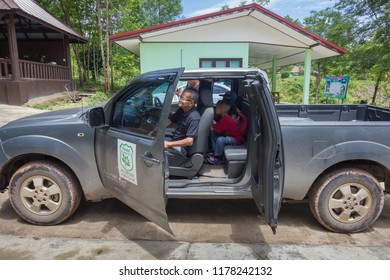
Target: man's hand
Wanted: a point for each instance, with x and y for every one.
(166, 145)
(177, 92)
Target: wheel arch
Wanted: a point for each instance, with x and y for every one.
(79, 161)
(378, 170)
(16, 162)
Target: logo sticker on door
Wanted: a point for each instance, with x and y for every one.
(126, 161)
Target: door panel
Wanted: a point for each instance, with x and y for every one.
(266, 150)
(129, 150)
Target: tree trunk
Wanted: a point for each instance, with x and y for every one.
(102, 47)
(378, 80)
(95, 69)
(88, 62)
(108, 51)
(79, 71)
(112, 69)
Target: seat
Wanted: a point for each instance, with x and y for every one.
(190, 166)
(236, 155)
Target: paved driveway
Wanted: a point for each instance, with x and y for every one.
(9, 113)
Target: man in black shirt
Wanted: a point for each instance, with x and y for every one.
(187, 119)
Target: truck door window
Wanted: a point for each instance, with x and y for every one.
(139, 109)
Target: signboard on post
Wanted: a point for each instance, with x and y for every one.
(336, 87)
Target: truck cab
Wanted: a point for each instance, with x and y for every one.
(130, 133)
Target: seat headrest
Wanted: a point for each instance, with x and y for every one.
(205, 94)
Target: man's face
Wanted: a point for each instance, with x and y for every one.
(193, 83)
(185, 102)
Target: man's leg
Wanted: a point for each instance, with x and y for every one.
(176, 155)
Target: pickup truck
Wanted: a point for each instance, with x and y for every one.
(335, 156)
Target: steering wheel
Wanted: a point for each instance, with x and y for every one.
(157, 102)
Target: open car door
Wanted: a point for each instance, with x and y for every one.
(266, 149)
(130, 148)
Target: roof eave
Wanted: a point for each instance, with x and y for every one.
(253, 6)
(75, 37)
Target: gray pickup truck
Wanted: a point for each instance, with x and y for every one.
(335, 156)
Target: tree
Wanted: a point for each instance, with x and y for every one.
(156, 12)
(373, 33)
(335, 27)
(373, 17)
(243, 3)
(296, 21)
(96, 20)
(371, 57)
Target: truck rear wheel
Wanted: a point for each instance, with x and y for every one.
(44, 193)
(347, 200)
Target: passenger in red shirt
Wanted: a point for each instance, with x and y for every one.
(225, 132)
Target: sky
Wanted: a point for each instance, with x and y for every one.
(297, 9)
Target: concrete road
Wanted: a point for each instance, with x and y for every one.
(204, 229)
(9, 113)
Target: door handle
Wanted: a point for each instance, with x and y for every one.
(149, 158)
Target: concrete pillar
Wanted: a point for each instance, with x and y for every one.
(274, 70)
(306, 83)
(13, 48)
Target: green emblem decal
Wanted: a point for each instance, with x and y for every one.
(126, 157)
(127, 165)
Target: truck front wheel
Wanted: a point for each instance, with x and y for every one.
(44, 193)
(347, 200)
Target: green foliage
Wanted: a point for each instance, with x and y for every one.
(285, 74)
(370, 54)
(243, 3)
(90, 17)
(332, 25)
(291, 89)
(296, 21)
(156, 12)
(373, 17)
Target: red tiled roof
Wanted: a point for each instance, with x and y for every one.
(253, 6)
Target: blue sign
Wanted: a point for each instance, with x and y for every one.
(336, 87)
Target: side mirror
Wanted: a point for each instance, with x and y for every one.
(95, 117)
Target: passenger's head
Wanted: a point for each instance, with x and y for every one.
(194, 84)
(188, 99)
(222, 107)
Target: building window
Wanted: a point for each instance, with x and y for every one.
(220, 62)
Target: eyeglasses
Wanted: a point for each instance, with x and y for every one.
(183, 99)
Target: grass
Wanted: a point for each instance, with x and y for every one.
(66, 102)
(291, 89)
(91, 94)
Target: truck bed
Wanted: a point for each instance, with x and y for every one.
(334, 112)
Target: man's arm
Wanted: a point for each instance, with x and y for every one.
(179, 143)
(169, 123)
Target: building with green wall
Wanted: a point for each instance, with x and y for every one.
(246, 36)
(156, 56)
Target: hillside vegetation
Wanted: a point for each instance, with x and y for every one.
(291, 89)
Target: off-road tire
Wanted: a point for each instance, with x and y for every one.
(44, 193)
(358, 194)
